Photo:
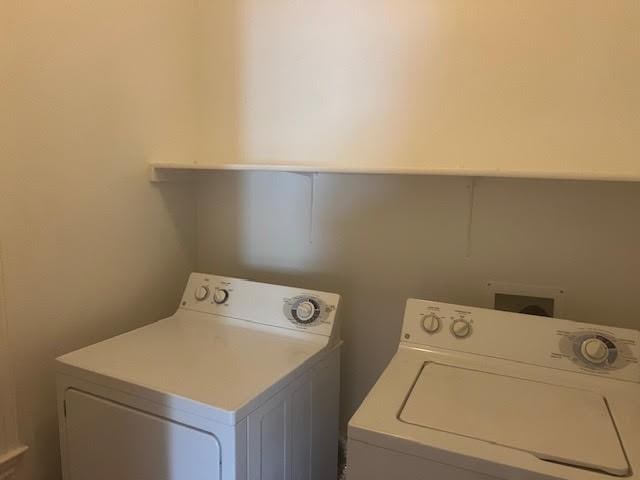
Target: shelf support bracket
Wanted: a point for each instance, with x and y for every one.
(472, 204)
(170, 175)
(312, 199)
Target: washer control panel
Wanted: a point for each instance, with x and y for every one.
(272, 305)
(458, 322)
(550, 342)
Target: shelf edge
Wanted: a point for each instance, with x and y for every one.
(171, 172)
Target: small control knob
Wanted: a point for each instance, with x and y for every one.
(305, 311)
(201, 293)
(431, 323)
(594, 350)
(220, 296)
(461, 328)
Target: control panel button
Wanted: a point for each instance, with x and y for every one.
(461, 328)
(594, 350)
(431, 323)
(201, 293)
(220, 296)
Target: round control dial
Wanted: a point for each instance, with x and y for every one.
(201, 293)
(594, 350)
(220, 296)
(461, 328)
(305, 310)
(431, 323)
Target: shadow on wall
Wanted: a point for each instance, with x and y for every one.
(378, 240)
(90, 91)
(332, 81)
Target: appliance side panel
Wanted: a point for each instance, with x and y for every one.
(325, 414)
(61, 386)
(238, 457)
(294, 436)
(267, 440)
(301, 432)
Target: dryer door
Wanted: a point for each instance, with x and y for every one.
(556, 423)
(107, 441)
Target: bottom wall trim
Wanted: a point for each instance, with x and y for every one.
(8, 462)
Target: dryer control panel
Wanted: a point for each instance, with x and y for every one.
(549, 342)
(272, 305)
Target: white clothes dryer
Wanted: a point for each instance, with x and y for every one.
(241, 383)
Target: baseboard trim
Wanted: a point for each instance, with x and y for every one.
(9, 461)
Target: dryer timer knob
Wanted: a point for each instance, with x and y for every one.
(201, 293)
(305, 311)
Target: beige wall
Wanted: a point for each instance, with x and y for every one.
(91, 90)
(88, 92)
(540, 88)
(380, 239)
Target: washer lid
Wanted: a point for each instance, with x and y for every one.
(560, 424)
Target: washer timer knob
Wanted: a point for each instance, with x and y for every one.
(594, 350)
(201, 293)
(220, 296)
(461, 328)
(431, 323)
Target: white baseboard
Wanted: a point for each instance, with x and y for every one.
(9, 461)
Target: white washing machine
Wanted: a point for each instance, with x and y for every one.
(240, 383)
(481, 394)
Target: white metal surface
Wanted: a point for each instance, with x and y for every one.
(152, 448)
(241, 375)
(503, 402)
(226, 368)
(382, 463)
(562, 424)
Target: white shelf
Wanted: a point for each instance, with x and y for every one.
(172, 172)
